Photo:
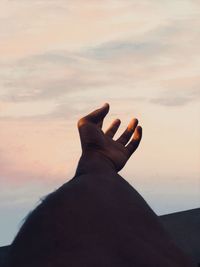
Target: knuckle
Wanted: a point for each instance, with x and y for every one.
(81, 122)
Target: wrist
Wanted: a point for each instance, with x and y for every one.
(94, 162)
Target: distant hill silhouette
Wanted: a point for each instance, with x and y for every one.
(3, 253)
(184, 228)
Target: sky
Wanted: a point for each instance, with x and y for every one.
(61, 59)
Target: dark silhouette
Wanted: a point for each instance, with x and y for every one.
(97, 218)
(184, 229)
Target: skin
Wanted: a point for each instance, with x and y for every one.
(97, 143)
(97, 218)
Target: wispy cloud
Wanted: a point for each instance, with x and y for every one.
(172, 101)
(141, 59)
(141, 56)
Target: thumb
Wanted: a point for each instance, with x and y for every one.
(98, 115)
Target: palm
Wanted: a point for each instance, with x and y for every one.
(95, 140)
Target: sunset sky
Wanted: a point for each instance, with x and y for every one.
(61, 59)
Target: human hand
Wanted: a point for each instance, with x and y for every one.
(95, 142)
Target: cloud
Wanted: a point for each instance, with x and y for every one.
(118, 49)
(178, 92)
(47, 76)
(140, 59)
(152, 59)
(173, 101)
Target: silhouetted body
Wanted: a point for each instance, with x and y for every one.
(97, 219)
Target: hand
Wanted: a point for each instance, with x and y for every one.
(95, 142)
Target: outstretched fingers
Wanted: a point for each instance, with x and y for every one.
(134, 143)
(126, 135)
(113, 128)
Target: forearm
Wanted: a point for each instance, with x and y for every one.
(131, 211)
(92, 163)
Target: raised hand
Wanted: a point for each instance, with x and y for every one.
(95, 142)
